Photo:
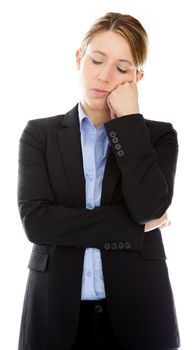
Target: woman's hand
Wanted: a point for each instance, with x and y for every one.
(123, 100)
(162, 222)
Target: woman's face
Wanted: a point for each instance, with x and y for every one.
(106, 63)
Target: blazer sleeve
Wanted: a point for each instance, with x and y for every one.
(147, 166)
(47, 222)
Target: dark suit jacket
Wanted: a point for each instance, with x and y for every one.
(137, 187)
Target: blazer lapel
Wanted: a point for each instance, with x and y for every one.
(70, 146)
(111, 177)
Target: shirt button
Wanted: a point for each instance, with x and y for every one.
(89, 273)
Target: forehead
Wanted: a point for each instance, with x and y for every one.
(111, 44)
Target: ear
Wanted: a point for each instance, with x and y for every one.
(139, 76)
(78, 58)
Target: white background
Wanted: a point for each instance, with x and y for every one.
(38, 78)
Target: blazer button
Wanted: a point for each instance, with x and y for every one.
(128, 245)
(112, 134)
(121, 245)
(98, 309)
(115, 140)
(114, 245)
(120, 153)
(107, 246)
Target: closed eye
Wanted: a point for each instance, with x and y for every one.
(96, 62)
(122, 70)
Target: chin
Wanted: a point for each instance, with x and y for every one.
(98, 104)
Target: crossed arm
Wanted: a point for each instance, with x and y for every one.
(147, 196)
(162, 222)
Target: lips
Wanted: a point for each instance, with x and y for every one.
(99, 92)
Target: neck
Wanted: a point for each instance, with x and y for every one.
(97, 116)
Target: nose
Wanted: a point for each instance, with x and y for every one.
(105, 74)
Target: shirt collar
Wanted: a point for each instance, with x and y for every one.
(83, 118)
(81, 114)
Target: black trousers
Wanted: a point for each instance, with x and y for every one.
(95, 331)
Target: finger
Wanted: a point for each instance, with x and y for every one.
(165, 215)
(166, 224)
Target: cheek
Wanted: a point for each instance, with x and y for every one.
(90, 72)
(118, 78)
(122, 78)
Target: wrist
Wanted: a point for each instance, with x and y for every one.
(128, 112)
(133, 108)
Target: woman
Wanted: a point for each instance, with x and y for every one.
(94, 186)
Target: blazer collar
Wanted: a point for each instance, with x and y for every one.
(70, 145)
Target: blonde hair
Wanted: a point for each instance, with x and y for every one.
(128, 27)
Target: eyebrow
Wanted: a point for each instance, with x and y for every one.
(120, 60)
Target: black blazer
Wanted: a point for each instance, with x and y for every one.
(137, 187)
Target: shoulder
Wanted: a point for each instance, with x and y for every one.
(53, 123)
(39, 129)
(38, 132)
(48, 122)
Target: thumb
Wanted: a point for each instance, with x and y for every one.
(112, 112)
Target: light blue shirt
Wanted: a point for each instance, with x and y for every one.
(94, 144)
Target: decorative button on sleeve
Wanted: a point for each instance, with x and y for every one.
(128, 245)
(121, 245)
(107, 246)
(115, 140)
(120, 153)
(118, 146)
(112, 134)
(114, 245)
